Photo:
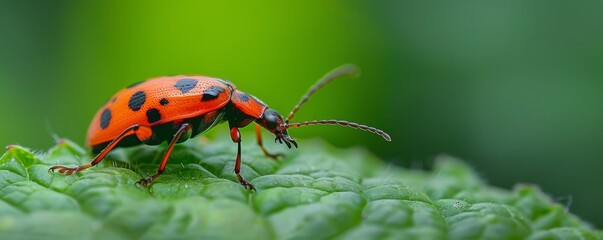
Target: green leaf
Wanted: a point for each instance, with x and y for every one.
(315, 192)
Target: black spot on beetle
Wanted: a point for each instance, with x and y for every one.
(185, 84)
(134, 84)
(137, 100)
(211, 93)
(163, 102)
(105, 119)
(243, 97)
(153, 115)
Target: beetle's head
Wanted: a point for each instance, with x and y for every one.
(273, 122)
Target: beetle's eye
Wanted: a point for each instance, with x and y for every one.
(271, 119)
(271, 122)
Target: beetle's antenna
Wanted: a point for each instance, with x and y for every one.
(341, 123)
(344, 70)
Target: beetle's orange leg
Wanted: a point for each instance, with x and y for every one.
(258, 136)
(236, 137)
(140, 131)
(183, 128)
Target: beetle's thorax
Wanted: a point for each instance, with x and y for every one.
(244, 109)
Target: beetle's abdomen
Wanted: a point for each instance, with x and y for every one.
(158, 101)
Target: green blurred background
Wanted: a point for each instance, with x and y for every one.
(515, 88)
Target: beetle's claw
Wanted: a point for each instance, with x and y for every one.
(144, 182)
(275, 156)
(248, 185)
(63, 170)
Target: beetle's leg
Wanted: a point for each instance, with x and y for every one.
(236, 137)
(183, 129)
(142, 132)
(258, 136)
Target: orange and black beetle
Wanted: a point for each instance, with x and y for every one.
(176, 108)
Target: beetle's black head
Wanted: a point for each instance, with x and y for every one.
(273, 122)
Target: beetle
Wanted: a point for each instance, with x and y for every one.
(175, 108)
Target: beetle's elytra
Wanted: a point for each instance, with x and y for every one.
(176, 108)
